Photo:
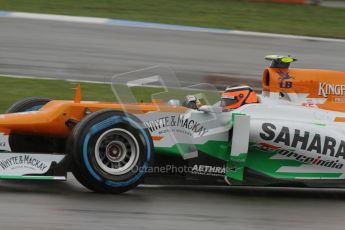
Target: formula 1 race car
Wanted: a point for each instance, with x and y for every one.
(293, 134)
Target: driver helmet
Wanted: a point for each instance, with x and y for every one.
(235, 96)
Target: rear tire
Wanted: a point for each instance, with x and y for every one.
(28, 143)
(28, 104)
(110, 151)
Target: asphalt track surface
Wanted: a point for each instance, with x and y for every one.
(67, 205)
(95, 52)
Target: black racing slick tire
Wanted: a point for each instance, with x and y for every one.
(28, 104)
(29, 143)
(110, 151)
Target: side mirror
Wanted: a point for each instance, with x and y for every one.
(211, 109)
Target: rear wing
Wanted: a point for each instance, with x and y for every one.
(301, 85)
(280, 61)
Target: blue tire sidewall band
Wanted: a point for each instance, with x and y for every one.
(108, 123)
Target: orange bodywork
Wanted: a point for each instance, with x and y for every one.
(51, 119)
(313, 83)
(302, 80)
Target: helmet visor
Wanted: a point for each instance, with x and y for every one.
(228, 101)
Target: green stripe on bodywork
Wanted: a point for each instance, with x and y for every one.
(260, 161)
(235, 167)
(319, 124)
(8, 177)
(257, 159)
(217, 149)
(311, 175)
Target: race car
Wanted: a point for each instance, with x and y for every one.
(293, 134)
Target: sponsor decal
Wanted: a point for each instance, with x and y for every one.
(311, 142)
(233, 169)
(309, 103)
(205, 170)
(178, 124)
(300, 157)
(4, 146)
(326, 89)
(285, 80)
(22, 161)
(339, 100)
(208, 170)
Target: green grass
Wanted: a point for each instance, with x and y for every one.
(230, 14)
(14, 89)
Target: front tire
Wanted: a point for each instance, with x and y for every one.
(110, 151)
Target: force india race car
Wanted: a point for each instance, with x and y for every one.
(293, 136)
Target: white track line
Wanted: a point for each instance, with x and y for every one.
(53, 79)
(137, 24)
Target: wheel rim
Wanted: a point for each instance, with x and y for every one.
(117, 151)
